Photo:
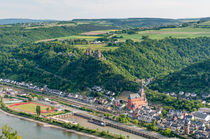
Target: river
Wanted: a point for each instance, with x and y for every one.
(31, 130)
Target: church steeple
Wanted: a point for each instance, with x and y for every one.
(141, 91)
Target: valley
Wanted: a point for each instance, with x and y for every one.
(98, 67)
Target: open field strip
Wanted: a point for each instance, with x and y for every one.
(98, 32)
(79, 37)
(49, 25)
(101, 47)
(89, 38)
(187, 32)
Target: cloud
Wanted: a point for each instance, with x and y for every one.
(68, 9)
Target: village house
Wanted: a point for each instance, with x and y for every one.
(181, 93)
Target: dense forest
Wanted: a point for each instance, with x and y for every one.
(150, 58)
(62, 66)
(194, 78)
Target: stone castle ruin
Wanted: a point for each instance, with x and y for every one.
(96, 53)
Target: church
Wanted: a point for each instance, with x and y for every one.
(137, 100)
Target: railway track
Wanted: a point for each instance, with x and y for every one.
(57, 98)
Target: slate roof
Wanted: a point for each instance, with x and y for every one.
(134, 96)
(200, 115)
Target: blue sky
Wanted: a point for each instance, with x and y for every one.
(71, 9)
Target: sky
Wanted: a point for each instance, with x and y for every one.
(74, 9)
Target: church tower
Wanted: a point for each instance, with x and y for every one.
(141, 92)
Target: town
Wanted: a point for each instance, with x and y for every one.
(196, 124)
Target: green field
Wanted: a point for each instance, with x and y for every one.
(89, 38)
(205, 23)
(187, 32)
(101, 47)
(79, 37)
(50, 25)
(98, 32)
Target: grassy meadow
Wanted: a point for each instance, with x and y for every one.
(89, 38)
(187, 32)
(101, 47)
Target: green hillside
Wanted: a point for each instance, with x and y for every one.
(61, 67)
(65, 67)
(194, 78)
(151, 58)
(18, 34)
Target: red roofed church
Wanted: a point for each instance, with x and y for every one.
(137, 100)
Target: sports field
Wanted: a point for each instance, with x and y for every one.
(29, 107)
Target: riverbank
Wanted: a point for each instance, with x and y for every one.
(49, 125)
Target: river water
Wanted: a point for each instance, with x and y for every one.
(31, 130)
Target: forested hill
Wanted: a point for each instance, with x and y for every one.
(150, 58)
(194, 78)
(65, 67)
(61, 67)
(133, 22)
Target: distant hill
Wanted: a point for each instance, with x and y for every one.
(194, 78)
(205, 19)
(16, 21)
(133, 22)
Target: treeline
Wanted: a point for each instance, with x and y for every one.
(75, 41)
(194, 78)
